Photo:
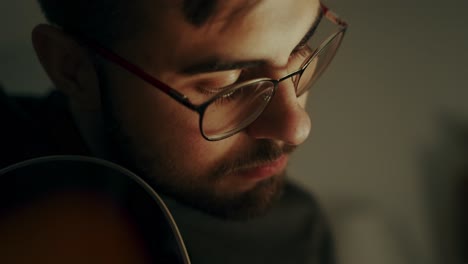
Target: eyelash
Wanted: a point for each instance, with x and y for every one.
(211, 92)
(299, 52)
(227, 98)
(301, 45)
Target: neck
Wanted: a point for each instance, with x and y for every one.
(90, 126)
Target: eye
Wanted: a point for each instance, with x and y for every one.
(210, 91)
(222, 98)
(303, 49)
(214, 83)
(228, 97)
(299, 54)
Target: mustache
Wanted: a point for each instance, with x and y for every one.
(265, 151)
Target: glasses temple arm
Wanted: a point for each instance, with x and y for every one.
(111, 56)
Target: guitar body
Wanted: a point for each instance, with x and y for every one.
(69, 209)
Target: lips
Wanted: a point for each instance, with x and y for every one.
(264, 171)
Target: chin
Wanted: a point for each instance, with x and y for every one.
(255, 202)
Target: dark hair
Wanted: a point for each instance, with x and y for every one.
(107, 20)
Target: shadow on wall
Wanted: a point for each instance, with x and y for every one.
(446, 169)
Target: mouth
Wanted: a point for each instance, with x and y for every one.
(264, 170)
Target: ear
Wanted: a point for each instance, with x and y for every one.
(68, 65)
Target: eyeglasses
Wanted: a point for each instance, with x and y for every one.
(238, 105)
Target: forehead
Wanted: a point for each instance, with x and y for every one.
(238, 30)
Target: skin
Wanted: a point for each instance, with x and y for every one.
(158, 137)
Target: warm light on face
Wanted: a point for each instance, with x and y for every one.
(252, 100)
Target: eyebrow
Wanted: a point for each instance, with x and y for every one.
(217, 64)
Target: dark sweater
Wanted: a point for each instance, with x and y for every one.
(32, 127)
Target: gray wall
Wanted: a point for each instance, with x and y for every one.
(20, 71)
(378, 114)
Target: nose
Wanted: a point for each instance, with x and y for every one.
(284, 119)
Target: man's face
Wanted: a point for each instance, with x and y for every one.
(236, 177)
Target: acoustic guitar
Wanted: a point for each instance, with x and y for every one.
(73, 209)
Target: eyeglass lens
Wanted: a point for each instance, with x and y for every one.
(238, 107)
(234, 110)
(318, 64)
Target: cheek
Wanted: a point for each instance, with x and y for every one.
(149, 116)
(160, 127)
(155, 122)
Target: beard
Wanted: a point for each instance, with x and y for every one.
(191, 188)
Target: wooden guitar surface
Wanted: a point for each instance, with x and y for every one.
(71, 209)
